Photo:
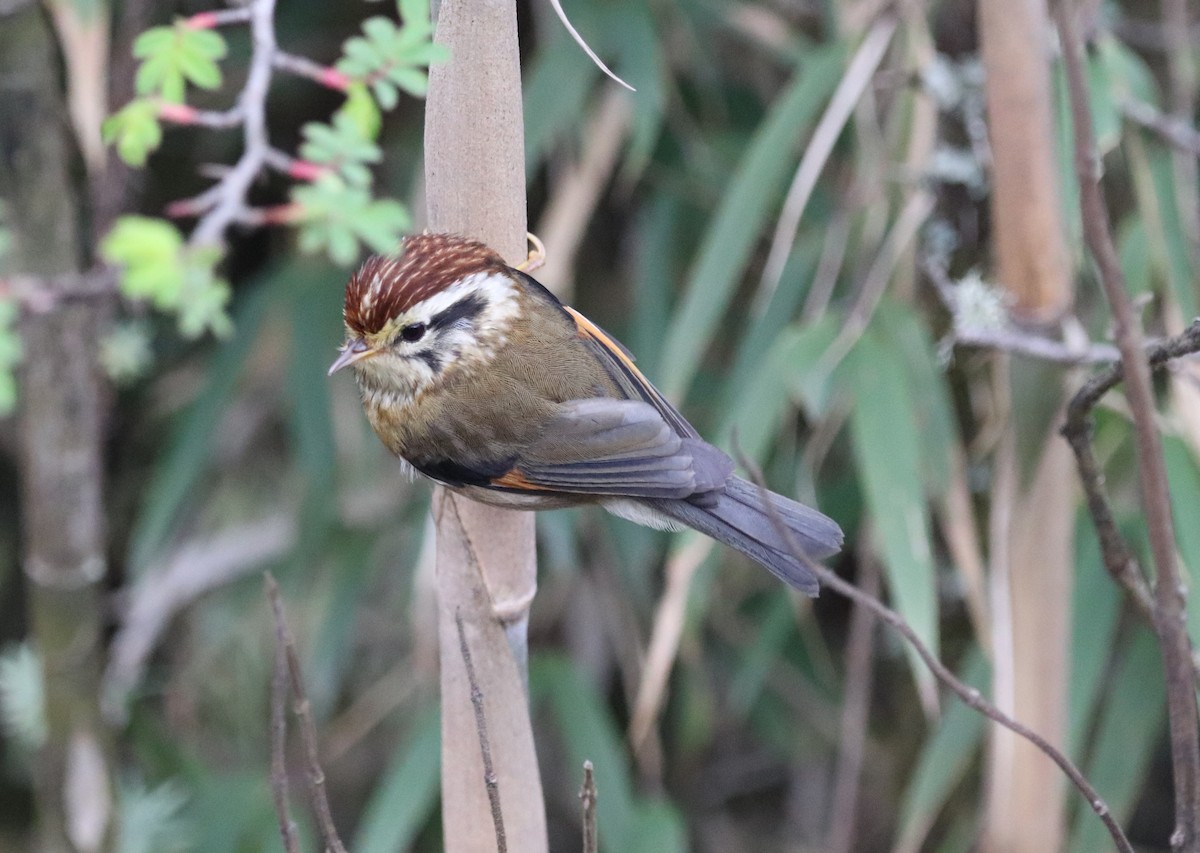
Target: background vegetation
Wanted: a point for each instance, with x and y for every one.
(758, 224)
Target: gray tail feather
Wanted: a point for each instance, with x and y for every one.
(740, 520)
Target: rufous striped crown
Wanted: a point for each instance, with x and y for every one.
(386, 286)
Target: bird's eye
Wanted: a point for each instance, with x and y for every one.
(413, 332)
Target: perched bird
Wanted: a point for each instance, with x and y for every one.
(478, 377)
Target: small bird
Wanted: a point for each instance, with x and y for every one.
(478, 377)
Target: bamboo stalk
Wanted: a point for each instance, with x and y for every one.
(487, 572)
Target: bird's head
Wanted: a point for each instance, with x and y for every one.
(442, 303)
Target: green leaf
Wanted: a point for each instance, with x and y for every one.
(10, 354)
(336, 217)
(22, 697)
(763, 400)
(204, 309)
(944, 760)
(154, 41)
(390, 58)
(590, 734)
(150, 254)
(887, 441)
(1125, 71)
(413, 12)
(742, 214)
(1095, 606)
(342, 147)
(904, 334)
(386, 93)
(135, 131)
(1184, 478)
(1106, 112)
(316, 320)
(125, 352)
(360, 111)
(1131, 723)
(405, 798)
(1171, 239)
(177, 55)
(556, 89)
(773, 628)
(658, 828)
(178, 470)
(416, 83)
(152, 819)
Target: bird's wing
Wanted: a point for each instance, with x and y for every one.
(603, 446)
(617, 362)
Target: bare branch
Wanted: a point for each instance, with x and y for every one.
(302, 66)
(1169, 591)
(971, 697)
(485, 746)
(197, 567)
(303, 711)
(1010, 338)
(215, 119)
(39, 293)
(219, 18)
(252, 104)
(1172, 130)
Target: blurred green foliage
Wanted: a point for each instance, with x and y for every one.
(220, 435)
(174, 57)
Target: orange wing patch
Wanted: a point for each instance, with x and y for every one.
(514, 479)
(589, 329)
(644, 387)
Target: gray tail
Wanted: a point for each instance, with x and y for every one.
(739, 519)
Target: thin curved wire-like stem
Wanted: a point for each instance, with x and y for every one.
(566, 22)
(969, 695)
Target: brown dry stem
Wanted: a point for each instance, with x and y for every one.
(485, 745)
(302, 708)
(587, 796)
(1170, 611)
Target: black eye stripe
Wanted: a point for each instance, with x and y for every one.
(467, 308)
(432, 359)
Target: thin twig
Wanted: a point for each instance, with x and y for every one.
(587, 795)
(1172, 130)
(219, 18)
(1170, 608)
(213, 119)
(971, 697)
(485, 745)
(279, 773)
(302, 66)
(302, 708)
(1010, 338)
(1118, 558)
(40, 294)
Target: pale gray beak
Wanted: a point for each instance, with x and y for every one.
(351, 351)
